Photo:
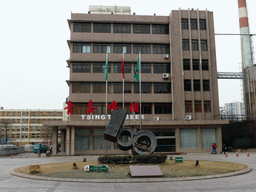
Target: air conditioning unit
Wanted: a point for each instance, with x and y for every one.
(156, 118)
(188, 117)
(166, 75)
(166, 56)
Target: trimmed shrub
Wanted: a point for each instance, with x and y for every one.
(138, 159)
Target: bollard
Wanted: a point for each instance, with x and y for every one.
(237, 154)
(248, 153)
(226, 154)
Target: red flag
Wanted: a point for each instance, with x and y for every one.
(122, 67)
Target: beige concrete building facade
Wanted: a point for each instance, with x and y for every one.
(178, 74)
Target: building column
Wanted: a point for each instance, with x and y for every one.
(72, 139)
(62, 140)
(54, 140)
(199, 139)
(68, 140)
(219, 139)
(177, 139)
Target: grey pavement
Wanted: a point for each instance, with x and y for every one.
(8, 182)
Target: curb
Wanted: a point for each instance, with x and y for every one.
(135, 180)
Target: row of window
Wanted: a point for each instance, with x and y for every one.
(193, 24)
(13, 121)
(120, 48)
(196, 85)
(99, 67)
(146, 108)
(23, 128)
(85, 27)
(25, 135)
(196, 64)
(197, 106)
(118, 87)
(194, 45)
(18, 113)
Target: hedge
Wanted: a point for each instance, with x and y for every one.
(137, 159)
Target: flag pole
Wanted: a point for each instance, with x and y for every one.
(123, 81)
(140, 87)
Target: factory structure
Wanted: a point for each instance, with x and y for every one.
(248, 65)
(179, 91)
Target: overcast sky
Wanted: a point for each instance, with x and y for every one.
(34, 46)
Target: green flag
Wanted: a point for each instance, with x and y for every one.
(106, 70)
(136, 76)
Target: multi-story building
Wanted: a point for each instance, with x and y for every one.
(25, 126)
(235, 108)
(178, 74)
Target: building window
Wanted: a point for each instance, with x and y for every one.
(18, 128)
(24, 113)
(81, 87)
(160, 29)
(141, 48)
(185, 44)
(207, 106)
(22, 135)
(117, 67)
(194, 44)
(80, 108)
(33, 135)
(33, 128)
(13, 120)
(122, 28)
(26, 128)
(161, 49)
(162, 87)
(120, 48)
(18, 135)
(82, 139)
(197, 85)
(202, 24)
(8, 114)
(195, 64)
(146, 108)
(81, 48)
(38, 135)
(193, 23)
(188, 138)
(101, 48)
(82, 27)
(12, 135)
(118, 87)
(98, 140)
(145, 68)
(81, 67)
(184, 23)
(205, 65)
(13, 128)
(22, 128)
(101, 88)
(19, 113)
(186, 64)
(187, 85)
(188, 106)
(163, 108)
(206, 85)
(99, 67)
(204, 45)
(101, 27)
(162, 68)
(145, 88)
(26, 135)
(198, 107)
(141, 28)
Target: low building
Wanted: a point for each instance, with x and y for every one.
(25, 126)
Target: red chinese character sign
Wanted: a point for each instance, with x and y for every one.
(134, 107)
(69, 107)
(113, 106)
(91, 108)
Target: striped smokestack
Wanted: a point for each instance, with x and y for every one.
(245, 34)
(246, 54)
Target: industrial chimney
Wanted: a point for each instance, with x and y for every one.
(247, 62)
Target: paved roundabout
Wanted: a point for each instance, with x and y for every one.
(236, 181)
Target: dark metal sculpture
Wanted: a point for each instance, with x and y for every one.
(141, 142)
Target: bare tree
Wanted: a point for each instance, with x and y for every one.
(5, 123)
